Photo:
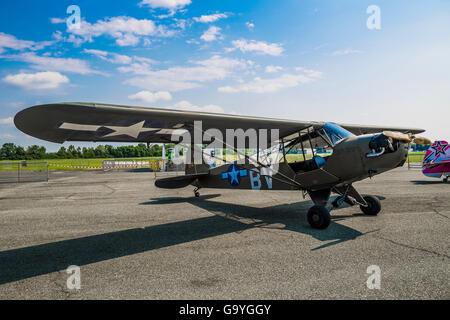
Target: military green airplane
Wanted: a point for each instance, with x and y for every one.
(357, 151)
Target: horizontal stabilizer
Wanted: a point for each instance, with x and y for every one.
(178, 181)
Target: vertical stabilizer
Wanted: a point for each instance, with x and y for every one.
(437, 160)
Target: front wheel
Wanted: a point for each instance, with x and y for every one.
(373, 206)
(319, 217)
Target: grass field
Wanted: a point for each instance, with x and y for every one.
(89, 164)
(416, 156)
(63, 164)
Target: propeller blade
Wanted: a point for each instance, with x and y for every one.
(421, 140)
(398, 136)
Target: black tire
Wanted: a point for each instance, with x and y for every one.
(319, 217)
(445, 179)
(197, 194)
(373, 206)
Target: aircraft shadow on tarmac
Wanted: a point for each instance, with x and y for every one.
(292, 216)
(23, 263)
(424, 182)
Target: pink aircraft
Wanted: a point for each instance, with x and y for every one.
(436, 163)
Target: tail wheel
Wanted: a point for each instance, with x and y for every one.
(373, 206)
(319, 217)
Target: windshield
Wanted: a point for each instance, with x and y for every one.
(335, 133)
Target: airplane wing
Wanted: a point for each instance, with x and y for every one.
(364, 129)
(62, 122)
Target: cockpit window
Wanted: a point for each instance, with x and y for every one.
(335, 133)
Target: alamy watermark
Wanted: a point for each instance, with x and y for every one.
(74, 279)
(374, 280)
(374, 20)
(74, 20)
(237, 140)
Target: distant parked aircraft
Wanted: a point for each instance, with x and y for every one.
(436, 163)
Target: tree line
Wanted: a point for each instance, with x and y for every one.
(10, 151)
(419, 147)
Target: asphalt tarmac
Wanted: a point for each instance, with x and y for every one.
(134, 241)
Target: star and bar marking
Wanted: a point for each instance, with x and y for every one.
(133, 130)
(234, 175)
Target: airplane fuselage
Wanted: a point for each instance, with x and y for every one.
(350, 161)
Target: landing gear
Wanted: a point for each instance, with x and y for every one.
(445, 179)
(196, 193)
(319, 217)
(373, 206)
(339, 200)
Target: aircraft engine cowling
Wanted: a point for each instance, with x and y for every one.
(380, 141)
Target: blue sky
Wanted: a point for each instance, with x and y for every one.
(304, 60)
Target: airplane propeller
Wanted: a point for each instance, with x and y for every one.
(421, 140)
(406, 137)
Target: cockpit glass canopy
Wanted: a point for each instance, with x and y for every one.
(335, 133)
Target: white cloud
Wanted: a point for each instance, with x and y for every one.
(145, 60)
(128, 40)
(150, 97)
(310, 73)
(192, 41)
(187, 106)
(250, 25)
(120, 59)
(166, 4)
(57, 20)
(99, 53)
(210, 18)
(345, 52)
(273, 69)
(127, 31)
(260, 47)
(137, 68)
(17, 105)
(171, 5)
(182, 23)
(54, 64)
(7, 121)
(211, 34)
(114, 57)
(258, 85)
(6, 136)
(11, 42)
(40, 80)
(182, 78)
(140, 66)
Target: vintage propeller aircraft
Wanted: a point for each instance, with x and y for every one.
(358, 152)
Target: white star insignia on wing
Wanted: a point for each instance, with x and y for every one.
(132, 131)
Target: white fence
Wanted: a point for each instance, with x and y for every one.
(23, 171)
(122, 164)
(154, 165)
